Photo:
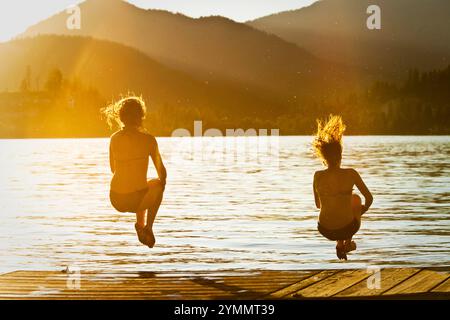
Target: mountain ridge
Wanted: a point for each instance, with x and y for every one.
(90, 60)
(412, 33)
(207, 47)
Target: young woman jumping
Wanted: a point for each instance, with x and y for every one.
(340, 209)
(129, 153)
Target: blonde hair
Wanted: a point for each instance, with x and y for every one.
(327, 143)
(129, 111)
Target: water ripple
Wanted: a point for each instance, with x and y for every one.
(256, 213)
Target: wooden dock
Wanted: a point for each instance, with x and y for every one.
(316, 284)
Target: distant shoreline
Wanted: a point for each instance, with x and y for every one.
(281, 135)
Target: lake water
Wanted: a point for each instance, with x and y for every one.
(235, 204)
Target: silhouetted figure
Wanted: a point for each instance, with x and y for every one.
(340, 209)
(129, 152)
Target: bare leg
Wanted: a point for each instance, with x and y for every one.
(151, 201)
(356, 206)
(157, 193)
(349, 245)
(140, 218)
(357, 209)
(340, 250)
(140, 226)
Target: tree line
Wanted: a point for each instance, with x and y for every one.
(420, 104)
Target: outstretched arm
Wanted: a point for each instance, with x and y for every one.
(368, 198)
(316, 196)
(111, 158)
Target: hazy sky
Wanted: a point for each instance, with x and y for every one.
(17, 15)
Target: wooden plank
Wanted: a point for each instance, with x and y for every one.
(302, 283)
(155, 294)
(6, 273)
(265, 285)
(421, 282)
(148, 294)
(145, 286)
(44, 291)
(170, 274)
(26, 276)
(443, 287)
(162, 289)
(388, 279)
(115, 298)
(268, 284)
(254, 285)
(332, 285)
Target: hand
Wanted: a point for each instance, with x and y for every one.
(163, 184)
(364, 209)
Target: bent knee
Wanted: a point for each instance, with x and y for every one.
(155, 185)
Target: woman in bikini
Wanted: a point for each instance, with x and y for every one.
(340, 209)
(129, 152)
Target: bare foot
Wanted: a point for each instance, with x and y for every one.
(140, 231)
(150, 237)
(340, 252)
(350, 246)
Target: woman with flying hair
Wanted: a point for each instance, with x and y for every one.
(340, 209)
(129, 152)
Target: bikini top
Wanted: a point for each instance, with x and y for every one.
(132, 159)
(340, 194)
(326, 193)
